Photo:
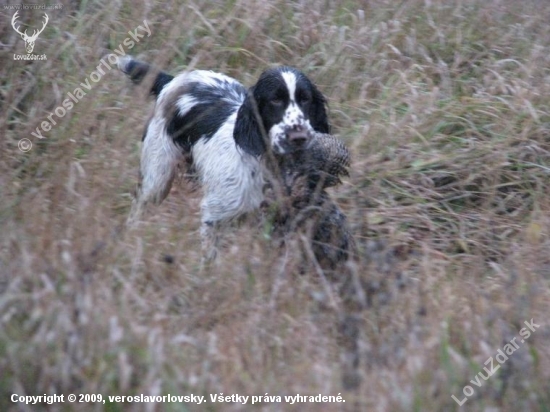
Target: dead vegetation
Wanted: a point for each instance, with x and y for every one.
(444, 105)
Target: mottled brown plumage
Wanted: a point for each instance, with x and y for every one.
(303, 203)
(322, 162)
(300, 204)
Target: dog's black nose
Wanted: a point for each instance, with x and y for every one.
(297, 136)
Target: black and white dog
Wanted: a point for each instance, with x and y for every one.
(226, 130)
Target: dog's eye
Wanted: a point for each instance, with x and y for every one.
(304, 98)
(277, 101)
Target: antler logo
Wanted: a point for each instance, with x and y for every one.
(29, 40)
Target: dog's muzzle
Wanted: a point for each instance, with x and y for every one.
(297, 136)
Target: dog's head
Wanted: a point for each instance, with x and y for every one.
(282, 110)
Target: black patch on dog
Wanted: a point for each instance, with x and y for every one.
(214, 105)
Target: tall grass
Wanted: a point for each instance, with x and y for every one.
(444, 105)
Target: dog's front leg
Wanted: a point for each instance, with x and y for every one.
(209, 241)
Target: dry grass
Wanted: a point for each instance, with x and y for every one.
(444, 105)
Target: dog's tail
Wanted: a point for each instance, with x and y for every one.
(137, 70)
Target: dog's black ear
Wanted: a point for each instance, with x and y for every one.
(248, 132)
(318, 117)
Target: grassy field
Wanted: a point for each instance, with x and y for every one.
(445, 108)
